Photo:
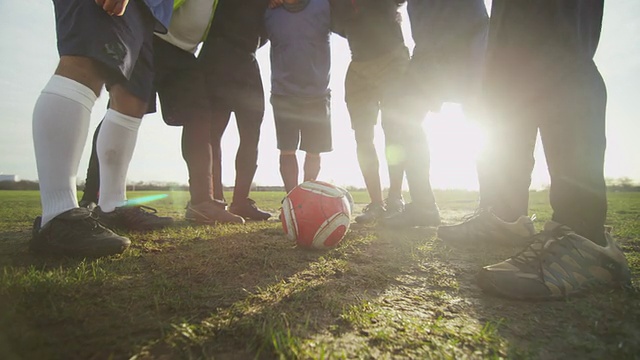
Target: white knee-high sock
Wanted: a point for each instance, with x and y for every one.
(115, 145)
(60, 127)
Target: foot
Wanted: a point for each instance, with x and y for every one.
(413, 215)
(133, 218)
(394, 206)
(557, 264)
(248, 210)
(484, 228)
(210, 212)
(371, 213)
(76, 232)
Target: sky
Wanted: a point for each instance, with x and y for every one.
(29, 57)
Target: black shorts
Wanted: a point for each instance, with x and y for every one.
(304, 122)
(371, 85)
(124, 44)
(180, 85)
(232, 74)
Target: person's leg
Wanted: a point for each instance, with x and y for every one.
(311, 166)
(288, 138)
(249, 110)
(60, 124)
(220, 117)
(289, 169)
(91, 190)
(315, 133)
(115, 144)
(368, 161)
(249, 119)
(129, 98)
(197, 154)
(60, 129)
(562, 261)
(574, 142)
(201, 139)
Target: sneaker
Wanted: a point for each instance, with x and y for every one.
(371, 213)
(248, 210)
(76, 232)
(557, 264)
(135, 218)
(413, 215)
(87, 204)
(394, 206)
(210, 212)
(483, 227)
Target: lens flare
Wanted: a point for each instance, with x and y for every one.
(146, 199)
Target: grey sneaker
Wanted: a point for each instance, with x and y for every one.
(210, 212)
(76, 232)
(371, 213)
(414, 215)
(557, 264)
(484, 228)
(249, 210)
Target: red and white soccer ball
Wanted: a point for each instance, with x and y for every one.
(316, 214)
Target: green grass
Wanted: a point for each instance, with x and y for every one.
(244, 292)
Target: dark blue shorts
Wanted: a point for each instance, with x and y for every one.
(124, 44)
(306, 122)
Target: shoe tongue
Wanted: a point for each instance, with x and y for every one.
(76, 214)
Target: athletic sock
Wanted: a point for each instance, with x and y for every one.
(311, 166)
(289, 171)
(60, 128)
(116, 142)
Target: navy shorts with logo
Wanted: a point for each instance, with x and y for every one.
(304, 122)
(124, 44)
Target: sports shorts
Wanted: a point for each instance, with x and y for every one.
(232, 74)
(369, 84)
(180, 84)
(123, 44)
(302, 121)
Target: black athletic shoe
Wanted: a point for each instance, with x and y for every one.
(136, 218)
(557, 264)
(248, 210)
(393, 206)
(76, 232)
(413, 215)
(371, 213)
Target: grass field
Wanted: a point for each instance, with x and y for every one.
(244, 292)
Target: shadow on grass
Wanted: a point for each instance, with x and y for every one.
(247, 292)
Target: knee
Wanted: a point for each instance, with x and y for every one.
(84, 70)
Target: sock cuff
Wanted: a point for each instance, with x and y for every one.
(129, 122)
(72, 90)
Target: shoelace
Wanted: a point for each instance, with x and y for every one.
(537, 247)
(473, 215)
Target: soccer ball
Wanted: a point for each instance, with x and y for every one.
(347, 194)
(316, 215)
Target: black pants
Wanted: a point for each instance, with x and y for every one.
(570, 116)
